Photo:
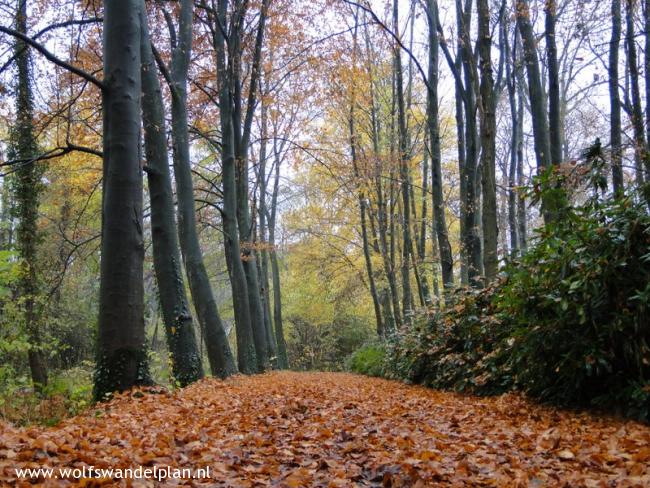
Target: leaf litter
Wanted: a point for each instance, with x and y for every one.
(298, 430)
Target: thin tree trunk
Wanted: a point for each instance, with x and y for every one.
(283, 362)
(241, 133)
(246, 352)
(264, 253)
(511, 82)
(420, 278)
(437, 198)
(471, 239)
(641, 160)
(646, 35)
(460, 144)
(614, 99)
(536, 94)
(521, 195)
(403, 159)
(554, 120)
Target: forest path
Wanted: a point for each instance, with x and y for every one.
(337, 430)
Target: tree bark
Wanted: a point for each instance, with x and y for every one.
(283, 362)
(488, 139)
(246, 352)
(511, 83)
(471, 240)
(27, 188)
(646, 35)
(403, 161)
(437, 198)
(122, 358)
(521, 196)
(614, 99)
(264, 253)
(536, 95)
(554, 120)
(179, 328)
(641, 160)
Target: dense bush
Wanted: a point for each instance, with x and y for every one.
(568, 323)
(578, 305)
(368, 360)
(464, 349)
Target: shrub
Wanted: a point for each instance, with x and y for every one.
(368, 360)
(68, 393)
(578, 305)
(462, 349)
(568, 323)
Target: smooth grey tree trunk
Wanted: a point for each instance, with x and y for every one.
(555, 127)
(264, 253)
(179, 327)
(246, 351)
(220, 356)
(283, 362)
(536, 96)
(522, 220)
(641, 160)
(511, 83)
(403, 158)
(470, 237)
(438, 204)
(646, 35)
(488, 126)
(121, 353)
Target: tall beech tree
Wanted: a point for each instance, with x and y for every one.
(121, 356)
(403, 158)
(439, 218)
(181, 341)
(555, 130)
(283, 361)
(263, 262)
(469, 170)
(488, 126)
(635, 110)
(614, 98)
(246, 350)
(242, 126)
(220, 356)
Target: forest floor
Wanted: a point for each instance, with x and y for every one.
(332, 430)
